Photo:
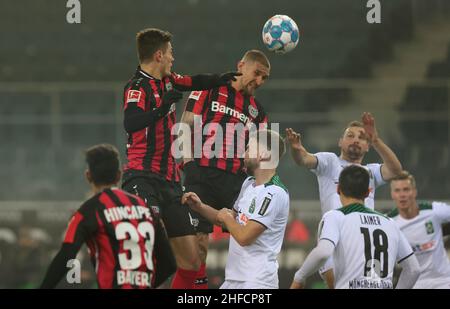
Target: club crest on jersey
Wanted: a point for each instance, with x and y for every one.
(252, 111)
(252, 206)
(429, 226)
(169, 86)
(133, 96)
(264, 206)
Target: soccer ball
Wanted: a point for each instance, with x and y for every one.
(280, 34)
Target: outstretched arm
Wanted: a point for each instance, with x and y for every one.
(202, 81)
(206, 211)
(410, 273)
(77, 232)
(391, 164)
(245, 235)
(313, 262)
(301, 156)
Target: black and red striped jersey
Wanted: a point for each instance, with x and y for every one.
(225, 107)
(149, 149)
(125, 244)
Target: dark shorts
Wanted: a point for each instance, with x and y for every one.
(164, 197)
(216, 188)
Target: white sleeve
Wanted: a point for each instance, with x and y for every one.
(375, 170)
(442, 211)
(244, 185)
(267, 209)
(404, 248)
(324, 163)
(315, 259)
(410, 273)
(329, 227)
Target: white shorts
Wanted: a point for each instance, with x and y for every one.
(242, 285)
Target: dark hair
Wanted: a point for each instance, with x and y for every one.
(354, 182)
(257, 56)
(149, 41)
(103, 163)
(405, 175)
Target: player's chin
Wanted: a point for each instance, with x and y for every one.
(354, 155)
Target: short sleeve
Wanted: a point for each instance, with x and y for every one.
(404, 248)
(375, 170)
(324, 163)
(196, 102)
(329, 227)
(268, 208)
(441, 211)
(134, 95)
(82, 225)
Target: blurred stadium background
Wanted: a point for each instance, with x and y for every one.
(61, 87)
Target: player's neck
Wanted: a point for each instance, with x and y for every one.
(410, 212)
(354, 161)
(263, 176)
(151, 69)
(347, 201)
(100, 188)
(237, 85)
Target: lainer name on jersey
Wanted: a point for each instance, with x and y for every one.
(370, 220)
(127, 213)
(136, 278)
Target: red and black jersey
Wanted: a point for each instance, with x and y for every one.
(225, 107)
(149, 149)
(125, 244)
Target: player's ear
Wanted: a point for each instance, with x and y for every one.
(338, 190)
(158, 55)
(87, 175)
(340, 142)
(119, 174)
(240, 65)
(367, 193)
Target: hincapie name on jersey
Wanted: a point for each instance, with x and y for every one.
(127, 213)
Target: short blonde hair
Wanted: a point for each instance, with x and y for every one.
(258, 56)
(405, 175)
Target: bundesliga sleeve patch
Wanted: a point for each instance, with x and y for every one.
(264, 206)
(195, 95)
(133, 96)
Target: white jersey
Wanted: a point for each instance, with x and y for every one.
(367, 246)
(329, 167)
(424, 233)
(267, 204)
